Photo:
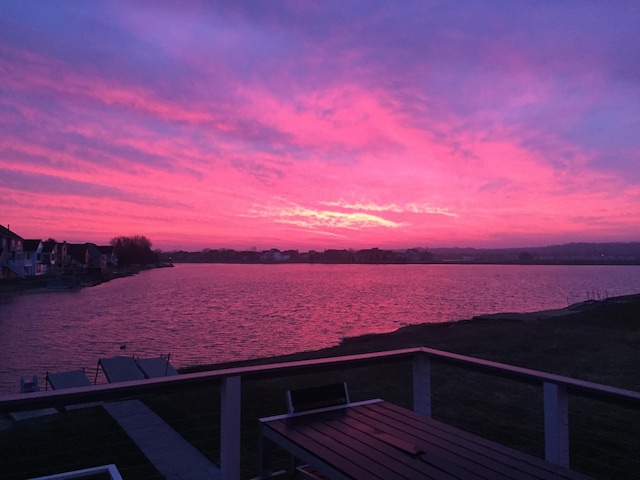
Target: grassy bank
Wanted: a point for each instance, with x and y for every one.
(597, 342)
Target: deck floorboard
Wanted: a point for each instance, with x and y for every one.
(170, 453)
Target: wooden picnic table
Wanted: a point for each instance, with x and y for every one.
(380, 440)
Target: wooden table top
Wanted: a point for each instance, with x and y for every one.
(384, 441)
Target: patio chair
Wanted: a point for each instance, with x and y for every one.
(32, 386)
(335, 395)
(156, 367)
(301, 402)
(29, 386)
(120, 369)
(70, 379)
(318, 397)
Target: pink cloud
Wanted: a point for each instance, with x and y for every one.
(246, 126)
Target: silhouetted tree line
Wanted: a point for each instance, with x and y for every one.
(135, 250)
(568, 254)
(332, 256)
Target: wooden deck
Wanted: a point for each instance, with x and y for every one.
(170, 453)
(383, 441)
(556, 393)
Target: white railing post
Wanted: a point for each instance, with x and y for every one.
(230, 428)
(556, 424)
(422, 383)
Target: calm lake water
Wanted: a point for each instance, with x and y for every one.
(213, 313)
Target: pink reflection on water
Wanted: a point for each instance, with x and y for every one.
(213, 313)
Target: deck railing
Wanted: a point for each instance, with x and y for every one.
(556, 392)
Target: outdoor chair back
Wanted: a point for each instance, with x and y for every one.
(322, 396)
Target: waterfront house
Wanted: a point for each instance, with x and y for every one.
(93, 257)
(32, 262)
(273, 255)
(375, 255)
(11, 254)
(78, 255)
(89, 257)
(33, 257)
(61, 256)
(108, 258)
(338, 256)
(49, 255)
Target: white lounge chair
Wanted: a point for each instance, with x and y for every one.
(120, 369)
(156, 367)
(71, 379)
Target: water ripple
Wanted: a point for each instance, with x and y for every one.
(213, 313)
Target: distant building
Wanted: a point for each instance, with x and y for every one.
(273, 255)
(108, 258)
(338, 256)
(33, 258)
(11, 254)
(49, 255)
(77, 255)
(61, 256)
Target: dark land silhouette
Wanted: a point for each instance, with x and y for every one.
(567, 254)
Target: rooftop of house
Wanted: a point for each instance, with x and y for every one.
(5, 232)
(77, 250)
(31, 245)
(48, 246)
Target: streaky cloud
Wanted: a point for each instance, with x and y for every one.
(345, 122)
(316, 218)
(395, 208)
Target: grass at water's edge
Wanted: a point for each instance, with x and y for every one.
(599, 344)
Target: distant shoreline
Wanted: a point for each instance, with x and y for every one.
(612, 253)
(33, 285)
(577, 263)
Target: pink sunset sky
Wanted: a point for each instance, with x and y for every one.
(314, 125)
